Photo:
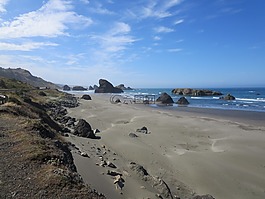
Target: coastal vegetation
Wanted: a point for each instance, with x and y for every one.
(35, 160)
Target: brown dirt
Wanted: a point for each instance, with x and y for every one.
(33, 165)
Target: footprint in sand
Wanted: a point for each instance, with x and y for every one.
(181, 151)
(120, 122)
(217, 149)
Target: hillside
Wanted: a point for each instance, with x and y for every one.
(25, 76)
(35, 160)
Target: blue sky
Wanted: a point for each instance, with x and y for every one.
(141, 43)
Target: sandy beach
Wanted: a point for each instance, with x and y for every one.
(194, 151)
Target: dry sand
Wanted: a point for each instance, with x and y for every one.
(192, 151)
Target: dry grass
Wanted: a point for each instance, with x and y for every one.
(33, 162)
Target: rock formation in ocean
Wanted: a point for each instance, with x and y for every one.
(122, 87)
(90, 88)
(228, 97)
(182, 101)
(195, 92)
(95, 87)
(107, 87)
(79, 88)
(66, 88)
(164, 98)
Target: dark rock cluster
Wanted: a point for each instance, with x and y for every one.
(195, 92)
(122, 87)
(79, 88)
(69, 124)
(166, 99)
(228, 97)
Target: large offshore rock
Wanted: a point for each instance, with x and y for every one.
(164, 98)
(107, 87)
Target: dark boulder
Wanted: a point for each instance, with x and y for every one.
(107, 87)
(164, 98)
(79, 88)
(142, 130)
(182, 101)
(66, 88)
(83, 129)
(86, 97)
(228, 97)
(133, 135)
(95, 87)
(90, 88)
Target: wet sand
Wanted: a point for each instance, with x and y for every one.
(202, 151)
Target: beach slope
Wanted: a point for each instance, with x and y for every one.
(191, 152)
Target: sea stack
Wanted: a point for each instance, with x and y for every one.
(107, 87)
(165, 98)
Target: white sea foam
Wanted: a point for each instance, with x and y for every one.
(253, 100)
(208, 98)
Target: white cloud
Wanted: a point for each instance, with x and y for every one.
(159, 10)
(151, 11)
(74, 59)
(172, 50)
(85, 1)
(180, 40)
(120, 28)
(163, 29)
(25, 46)
(230, 10)
(98, 9)
(156, 38)
(2, 5)
(112, 46)
(50, 20)
(179, 21)
(110, 1)
(116, 39)
(171, 3)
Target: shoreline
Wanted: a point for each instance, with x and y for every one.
(240, 116)
(252, 117)
(193, 150)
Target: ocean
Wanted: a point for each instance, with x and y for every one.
(248, 99)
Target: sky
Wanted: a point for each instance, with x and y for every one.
(140, 43)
